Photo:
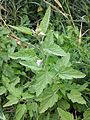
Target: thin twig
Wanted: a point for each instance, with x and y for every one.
(55, 8)
(85, 32)
(80, 35)
(59, 4)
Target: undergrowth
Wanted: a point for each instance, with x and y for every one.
(44, 60)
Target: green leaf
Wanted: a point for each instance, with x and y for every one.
(75, 96)
(63, 104)
(70, 73)
(56, 34)
(47, 100)
(31, 64)
(80, 107)
(87, 114)
(45, 22)
(50, 47)
(12, 101)
(15, 82)
(27, 95)
(54, 49)
(82, 87)
(2, 90)
(65, 115)
(2, 116)
(49, 39)
(47, 117)
(24, 30)
(41, 81)
(20, 111)
(12, 89)
(8, 71)
(65, 60)
(62, 63)
(55, 116)
(25, 54)
(32, 107)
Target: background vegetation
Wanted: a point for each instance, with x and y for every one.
(44, 60)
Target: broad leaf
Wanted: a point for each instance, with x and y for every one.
(24, 30)
(32, 107)
(2, 116)
(27, 95)
(20, 111)
(65, 115)
(80, 107)
(75, 96)
(25, 54)
(54, 49)
(41, 81)
(49, 39)
(8, 71)
(82, 87)
(15, 82)
(70, 73)
(12, 89)
(47, 100)
(63, 104)
(87, 114)
(2, 90)
(65, 60)
(12, 100)
(45, 22)
(50, 47)
(31, 64)
(62, 63)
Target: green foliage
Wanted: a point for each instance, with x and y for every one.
(63, 104)
(50, 47)
(65, 115)
(47, 100)
(2, 116)
(42, 79)
(44, 72)
(45, 22)
(70, 73)
(32, 107)
(87, 114)
(25, 54)
(75, 96)
(24, 30)
(12, 100)
(20, 111)
(2, 90)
